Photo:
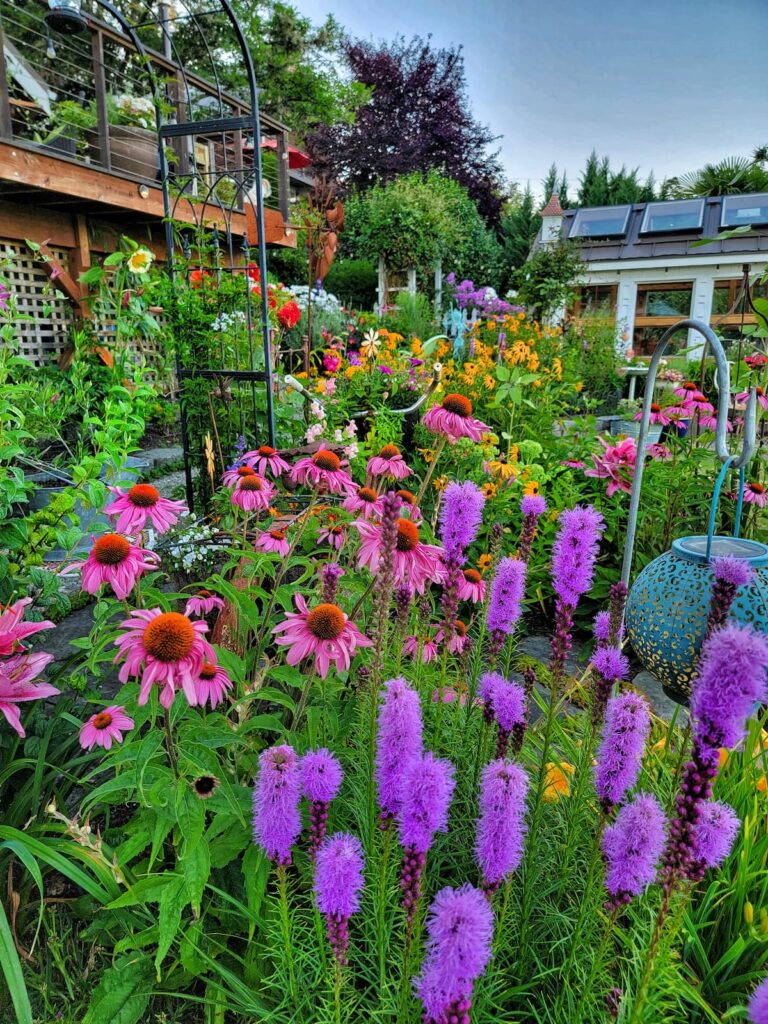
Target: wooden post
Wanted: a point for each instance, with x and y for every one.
(100, 84)
(6, 127)
(283, 177)
(80, 260)
(381, 290)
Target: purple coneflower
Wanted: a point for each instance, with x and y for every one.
(276, 795)
(324, 632)
(324, 470)
(501, 825)
(619, 759)
(609, 665)
(425, 797)
(458, 948)
(389, 462)
(632, 846)
(266, 459)
(321, 776)
(398, 741)
(338, 884)
(533, 507)
(505, 604)
(758, 1004)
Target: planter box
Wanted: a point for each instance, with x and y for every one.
(631, 428)
(132, 151)
(131, 473)
(91, 520)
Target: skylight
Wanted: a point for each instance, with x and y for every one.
(680, 215)
(740, 210)
(600, 222)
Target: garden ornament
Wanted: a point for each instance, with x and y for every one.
(668, 604)
(437, 373)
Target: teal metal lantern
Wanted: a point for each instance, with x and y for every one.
(668, 604)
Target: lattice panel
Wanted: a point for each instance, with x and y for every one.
(45, 313)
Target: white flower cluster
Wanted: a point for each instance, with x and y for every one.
(349, 433)
(138, 110)
(317, 429)
(320, 298)
(229, 321)
(192, 547)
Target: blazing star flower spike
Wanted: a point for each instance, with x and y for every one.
(757, 1011)
(458, 949)
(732, 679)
(575, 551)
(632, 847)
(507, 593)
(426, 794)
(321, 775)
(398, 741)
(509, 704)
(501, 825)
(276, 795)
(461, 514)
(619, 759)
(339, 875)
(714, 834)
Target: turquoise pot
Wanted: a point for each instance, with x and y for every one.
(668, 606)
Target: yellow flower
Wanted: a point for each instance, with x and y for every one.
(514, 453)
(533, 362)
(490, 490)
(723, 755)
(484, 563)
(762, 784)
(416, 347)
(352, 370)
(371, 344)
(578, 387)
(441, 482)
(427, 453)
(557, 783)
(557, 367)
(531, 487)
(140, 261)
(661, 746)
(489, 382)
(749, 913)
(503, 470)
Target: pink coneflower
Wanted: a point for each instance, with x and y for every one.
(212, 684)
(114, 560)
(142, 502)
(453, 419)
(17, 684)
(165, 648)
(232, 476)
(573, 463)
(266, 460)
(416, 563)
(428, 650)
(686, 390)
(660, 452)
(13, 629)
(105, 726)
(324, 469)
(710, 422)
(756, 494)
(658, 415)
(408, 498)
(389, 463)
(324, 632)
(677, 416)
(458, 640)
(762, 398)
(333, 535)
(471, 586)
(203, 603)
(756, 360)
(273, 541)
(697, 402)
(252, 493)
(365, 501)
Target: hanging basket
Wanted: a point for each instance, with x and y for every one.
(668, 605)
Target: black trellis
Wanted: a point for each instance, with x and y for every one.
(201, 200)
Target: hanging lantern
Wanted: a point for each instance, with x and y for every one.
(65, 16)
(668, 606)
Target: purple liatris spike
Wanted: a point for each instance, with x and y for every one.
(501, 825)
(403, 599)
(505, 601)
(338, 884)
(609, 665)
(617, 600)
(713, 837)
(732, 679)
(398, 741)
(321, 776)
(458, 948)
(619, 758)
(330, 575)
(276, 795)
(509, 709)
(533, 507)
(632, 846)
(460, 516)
(426, 793)
(757, 1011)
(574, 552)
(602, 628)
(729, 575)
(485, 691)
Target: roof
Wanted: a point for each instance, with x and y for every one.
(631, 242)
(553, 207)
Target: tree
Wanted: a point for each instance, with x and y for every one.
(548, 280)
(417, 119)
(601, 186)
(558, 184)
(520, 224)
(736, 175)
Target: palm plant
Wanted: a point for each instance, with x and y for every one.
(735, 175)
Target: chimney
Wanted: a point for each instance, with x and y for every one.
(551, 220)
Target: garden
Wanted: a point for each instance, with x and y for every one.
(381, 639)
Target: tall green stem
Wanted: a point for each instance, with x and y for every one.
(285, 924)
(431, 469)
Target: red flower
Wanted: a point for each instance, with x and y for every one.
(198, 278)
(253, 272)
(289, 314)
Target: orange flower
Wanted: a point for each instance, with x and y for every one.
(484, 563)
(762, 784)
(531, 487)
(724, 754)
(557, 783)
(490, 490)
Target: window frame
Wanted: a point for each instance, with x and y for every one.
(648, 215)
(582, 215)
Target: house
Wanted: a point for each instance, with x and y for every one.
(80, 160)
(646, 266)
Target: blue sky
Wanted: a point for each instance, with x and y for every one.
(665, 85)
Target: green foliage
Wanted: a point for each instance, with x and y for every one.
(735, 175)
(520, 224)
(548, 279)
(599, 185)
(354, 282)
